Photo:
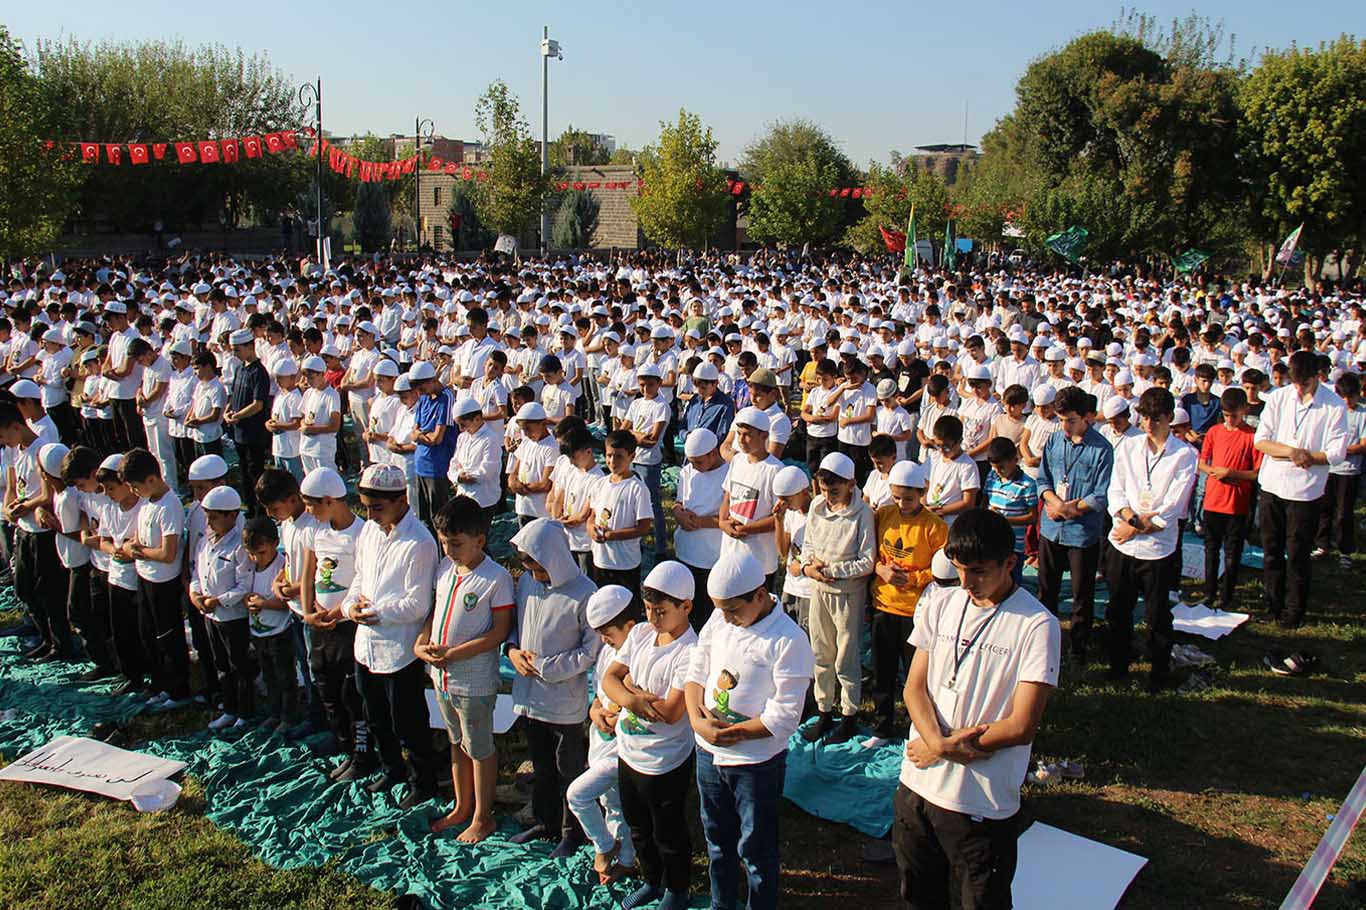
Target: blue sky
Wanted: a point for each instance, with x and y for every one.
(877, 75)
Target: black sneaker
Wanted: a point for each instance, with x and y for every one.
(846, 730)
(825, 722)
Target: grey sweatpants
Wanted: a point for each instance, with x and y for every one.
(836, 623)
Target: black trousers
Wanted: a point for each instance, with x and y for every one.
(202, 641)
(702, 605)
(100, 435)
(627, 578)
(934, 846)
(655, 806)
(817, 448)
(275, 657)
(432, 494)
(184, 454)
(64, 416)
(1128, 578)
(230, 642)
(397, 711)
(124, 634)
(1337, 524)
(1288, 529)
(129, 432)
(890, 648)
(1081, 563)
(251, 461)
(1227, 533)
(333, 665)
(863, 463)
(39, 576)
(161, 626)
(559, 753)
(89, 613)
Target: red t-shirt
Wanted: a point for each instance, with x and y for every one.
(1230, 448)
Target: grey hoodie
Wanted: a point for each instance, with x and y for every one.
(552, 623)
(844, 539)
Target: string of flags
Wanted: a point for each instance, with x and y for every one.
(199, 151)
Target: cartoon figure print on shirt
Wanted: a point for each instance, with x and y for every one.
(324, 583)
(726, 681)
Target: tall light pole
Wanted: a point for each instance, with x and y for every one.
(419, 126)
(548, 49)
(309, 93)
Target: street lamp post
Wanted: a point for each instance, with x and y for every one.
(549, 49)
(309, 93)
(419, 126)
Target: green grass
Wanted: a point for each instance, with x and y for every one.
(1226, 792)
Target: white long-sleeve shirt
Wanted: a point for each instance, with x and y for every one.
(1149, 482)
(1319, 426)
(395, 572)
(222, 569)
(478, 455)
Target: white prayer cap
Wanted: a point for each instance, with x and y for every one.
(706, 372)
(1045, 394)
(1180, 416)
(182, 347)
(754, 418)
(606, 604)
(1114, 406)
(790, 481)
(386, 368)
(208, 467)
(839, 464)
(467, 406)
(649, 371)
(421, 371)
(941, 567)
(1124, 377)
(50, 457)
(908, 474)
(673, 579)
(383, 478)
(241, 336)
(699, 442)
(531, 411)
(286, 367)
(735, 575)
(321, 482)
(222, 499)
(314, 364)
(112, 462)
(25, 388)
(977, 372)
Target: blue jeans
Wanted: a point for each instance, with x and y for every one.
(740, 820)
(302, 633)
(293, 465)
(650, 475)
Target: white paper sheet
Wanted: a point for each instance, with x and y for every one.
(1201, 620)
(84, 764)
(503, 718)
(1062, 871)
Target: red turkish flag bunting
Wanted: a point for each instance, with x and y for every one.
(290, 140)
(367, 171)
(137, 154)
(739, 187)
(409, 166)
(113, 153)
(845, 192)
(434, 163)
(252, 146)
(208, 151)
(578, 184)
(274, 143)
(895, 240)
(834, 193)
(90, 152)
(451, 168)
(185, 153)
(466, 174)
(159, 150)
(230, 151)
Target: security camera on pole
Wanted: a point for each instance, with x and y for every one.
(549, 49)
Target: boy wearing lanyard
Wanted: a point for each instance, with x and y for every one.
(986, 660)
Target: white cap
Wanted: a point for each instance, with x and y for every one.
(886, 389)
(649, 371)
(314, 364)
(54, 336)
(112, 462)
(321, 482)
(1044, 394)
(908, 474)
(942, 567)
(752, 417)
(606, 604)
(699, 442)
(208, 467)
(403, 384)
(115, 306)
(222, 499)
(366, 326)
(735, 575)
(839, 464)
(420, 372)
(706, 372)
(672, 578)
(1180, 416)
(974, 372)
(50, 457)
(467, 406)
(241, 336)
(1114, 406)
(386, 367)
(1124, 377)
(383, 478)
(790, 481)
(286, 367)
(25, 388)
(532, 410)
(182, 347)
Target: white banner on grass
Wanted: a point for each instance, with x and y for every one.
(77, 763)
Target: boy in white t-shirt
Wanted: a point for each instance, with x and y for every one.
(75, 556)
(89, 612)
(646, 419)
(286, 414)
(472, 617)
(476, 463)
(574, 478)
(954, 479)
(619, 516)
(793, 491)
(270, 619)
(321, 418)
(532, 463)
(986, 661)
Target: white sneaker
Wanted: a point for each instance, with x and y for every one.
(239, 724)
(874, 742)
(171, 704)
(223, 720)
(158, 699)
(1318, 553)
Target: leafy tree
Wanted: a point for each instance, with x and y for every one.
(683, 199)
(159, 91)
(577, 147)
(1304, 120)
(575, 220)
(794, 142)
(471, 233)
(623, 155)
(370, 219)
(512, 196)
(890, 206)
(793, 205)
(36, 184)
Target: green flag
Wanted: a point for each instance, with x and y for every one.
(910, 239)
(950, 246)
(1189, 261)
(1068, 243)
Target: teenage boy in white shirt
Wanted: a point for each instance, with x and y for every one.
(746, 514)
(475, 466)
(619, 515)
(986, 660)
(532, 464)
(1150, 489)
(646, 419)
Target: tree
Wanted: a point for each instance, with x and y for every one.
(577, 147)
(469, 232)
(512, 196)
(793, 205)
(683, 199)
(158, 91)
(793, 142)
(37, 184)
(890, 206)
(1304, 120)
(370, 219)
(575, 221)
(623, 155)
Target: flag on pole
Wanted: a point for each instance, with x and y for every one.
(950, 246)
(1189, 261)
(909, 261)
(1068, 243)
(895, 240)
(1287, 251)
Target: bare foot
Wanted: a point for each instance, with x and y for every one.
(450, 820)
(613, 874)
(477, 831)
